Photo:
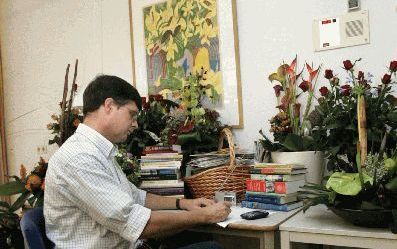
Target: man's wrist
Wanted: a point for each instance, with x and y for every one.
(178, 204)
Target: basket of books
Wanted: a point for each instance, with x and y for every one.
(228, 178)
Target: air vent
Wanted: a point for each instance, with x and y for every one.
(354, 28)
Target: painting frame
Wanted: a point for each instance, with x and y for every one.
(231, 112)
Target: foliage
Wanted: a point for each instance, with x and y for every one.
(128, 164)
(151, 122)
(73, 117)
(335, 118)
(291, 128)
(191, 125)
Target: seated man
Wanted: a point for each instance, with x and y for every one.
(89, 203)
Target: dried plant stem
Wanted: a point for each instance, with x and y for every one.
(362, 128)
(71, 97)
(63, 106)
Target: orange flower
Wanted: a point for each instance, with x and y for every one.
(22, 172)
(76, 122)
(43, 185)
(34, 182)
(55, 117)
(49, 126)
(75, 111)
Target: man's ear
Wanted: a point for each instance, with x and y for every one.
(108, 105)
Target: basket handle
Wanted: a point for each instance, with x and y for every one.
(226, 132)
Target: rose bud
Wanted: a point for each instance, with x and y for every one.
(345, 90)
(360, 76)
(393, 66)
(386, 79)
(304, 86)
(347, 64)
(335, 81)
(277, 90)
(297, 110)
(328, 74)
(324, 91)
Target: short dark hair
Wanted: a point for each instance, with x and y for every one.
(109, 86)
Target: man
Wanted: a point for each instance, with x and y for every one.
(89, 203)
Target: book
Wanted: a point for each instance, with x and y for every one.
(284, 207)
(158, 149)
(159, 177)
(271, 199)
(161, 184)
(274, 187)
(160, 171)
(277, 171)
(278, 165)
(175, 164)
(278, 178)
(165, 191)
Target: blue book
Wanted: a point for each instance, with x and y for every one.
(271, 199)
(284, 207)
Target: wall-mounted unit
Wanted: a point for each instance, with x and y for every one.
(342, 31)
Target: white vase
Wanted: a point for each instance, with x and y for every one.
(312, 160)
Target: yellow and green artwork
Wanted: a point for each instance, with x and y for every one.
(182, 38)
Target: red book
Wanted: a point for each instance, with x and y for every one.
(274, 187)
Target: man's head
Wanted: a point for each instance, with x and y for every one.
(111, 106)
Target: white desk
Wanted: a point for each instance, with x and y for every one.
(320, 226)
(263, 229)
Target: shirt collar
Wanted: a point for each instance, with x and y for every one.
(103, 144)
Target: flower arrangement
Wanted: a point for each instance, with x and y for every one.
(31, 189)
(129, 165)
(191, 125)
(151, 122)
(335, 115)
(73, 117)
(291, 127)
(364, 182)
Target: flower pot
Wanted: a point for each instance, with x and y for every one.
(312, 160)
(364, 218)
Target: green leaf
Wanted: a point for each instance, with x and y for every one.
(346, 183)
(20, 201)
(40, 201)
(12, 188)
(293, 142)
(392, 184)
(4, 204)
(392, 116)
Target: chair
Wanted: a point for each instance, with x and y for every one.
(33, 229)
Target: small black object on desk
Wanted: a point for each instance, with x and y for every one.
(253, 215)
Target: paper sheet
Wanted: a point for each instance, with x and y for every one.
(234, 216)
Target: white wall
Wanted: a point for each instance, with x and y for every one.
(39, 37)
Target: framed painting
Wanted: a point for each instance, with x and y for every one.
(171, 39)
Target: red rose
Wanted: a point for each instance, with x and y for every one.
(324, 91)
(345, 90)
(328, 74)
(393, 66)
(305, 85)
(277, 90)
(143, 100)
(158, 97)
(347, 64)
(386, 79)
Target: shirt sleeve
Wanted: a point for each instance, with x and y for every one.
(91, 187)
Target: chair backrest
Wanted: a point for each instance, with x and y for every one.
(33, 229)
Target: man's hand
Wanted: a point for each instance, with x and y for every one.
(191, 204)
(216, 212)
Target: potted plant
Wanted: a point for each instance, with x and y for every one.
(363, 187)
(294, 139)
(31, 189)
(191, 125)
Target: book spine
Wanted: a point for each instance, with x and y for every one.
(159, 177)
(258, 205)
(159, 171)
(281, 178)
(264, 200)
(272, 171)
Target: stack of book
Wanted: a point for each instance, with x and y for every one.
(274, 186)
(160, 171)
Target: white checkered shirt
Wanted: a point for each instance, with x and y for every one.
(88, 202)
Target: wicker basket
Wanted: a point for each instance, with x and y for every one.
(230, 178)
